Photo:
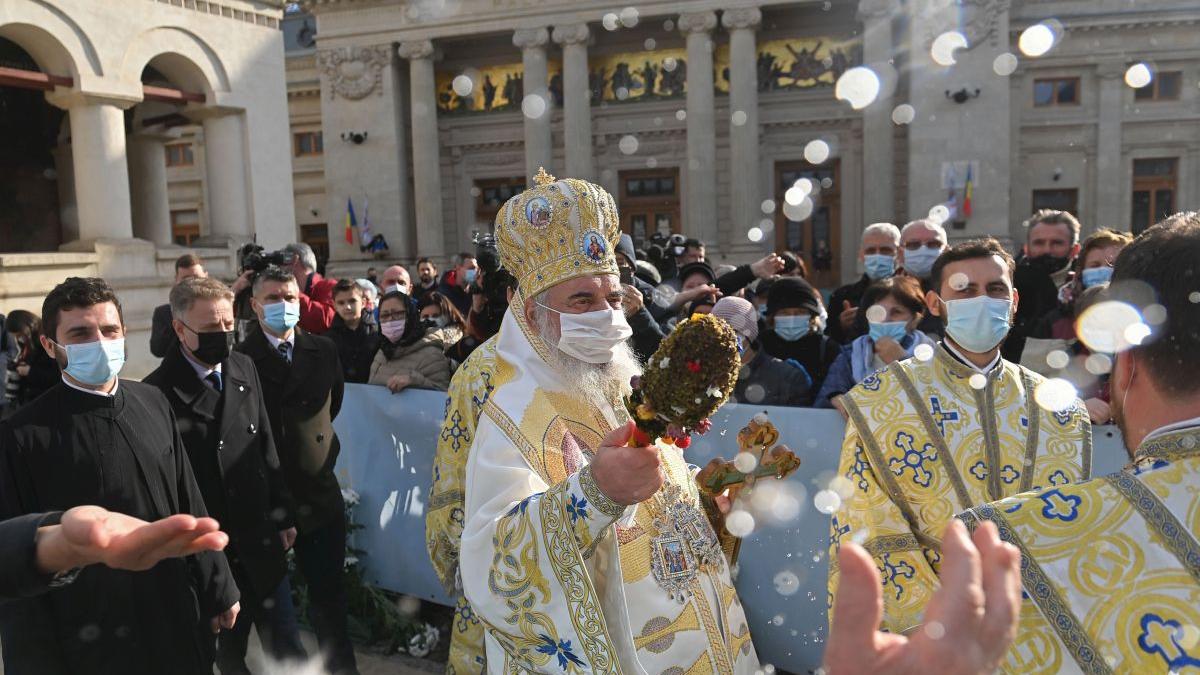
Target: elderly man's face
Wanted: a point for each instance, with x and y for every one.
(877, 244)
(920, 236)
(577, 296)
(397, 276)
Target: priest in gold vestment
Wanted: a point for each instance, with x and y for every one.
(469, 390)
(1111, 566)
(578, 554)
(951, 428)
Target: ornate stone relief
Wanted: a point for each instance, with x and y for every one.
(978, 20)
(354, 72)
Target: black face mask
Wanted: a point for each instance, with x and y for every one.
(1046, 264)
(214, 346)
(429, 322)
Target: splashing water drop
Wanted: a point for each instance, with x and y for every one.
(462, 85)
(1005, 64)
(1055, 395)
(923, 352)
(816, 151)
(943, 47)
(1138, 75)
(739, 523)
(628, 144)
(827, 501)
(903, 114)
(859, 86)
(1057, 359)
(1036, 40)
(977, 381)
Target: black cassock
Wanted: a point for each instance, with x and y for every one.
(70, 448)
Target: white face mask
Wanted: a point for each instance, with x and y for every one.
(592, 337)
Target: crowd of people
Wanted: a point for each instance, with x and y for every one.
(236, 426)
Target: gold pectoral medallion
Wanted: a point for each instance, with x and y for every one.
(685, 544)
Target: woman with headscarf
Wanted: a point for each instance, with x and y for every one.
(410, 355)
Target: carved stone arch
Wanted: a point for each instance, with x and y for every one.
(53, 39)
(184, 57)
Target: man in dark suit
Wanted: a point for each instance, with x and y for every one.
(162, 335)
(218, 405)
(302, 384)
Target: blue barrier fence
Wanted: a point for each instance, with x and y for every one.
(388, 443)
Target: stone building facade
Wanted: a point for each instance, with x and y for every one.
(699, 116)
(118, 117)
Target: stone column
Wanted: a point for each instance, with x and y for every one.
(879, 201)
(538, 149)
(68, 210)
(148, 187)
(427, 161)
(225, 174)
(700, 186)
(100, 169)
(577, 99)
(1111, 186)
(745, 186)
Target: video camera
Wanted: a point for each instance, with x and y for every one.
(254, 258)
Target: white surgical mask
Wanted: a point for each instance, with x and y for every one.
(592, 337)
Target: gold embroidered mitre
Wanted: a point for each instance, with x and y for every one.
(557, 230)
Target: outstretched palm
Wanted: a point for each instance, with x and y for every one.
(124, 542)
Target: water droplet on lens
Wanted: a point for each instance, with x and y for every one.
(816, 151)
(629, 17)
(1155, 314)
(958, 281)
(738, 118)
(876, 314)
(903, 114)
(1138, 75)
(786, 583)
(859, 86)
(681, 115)
(1036, 40)
(745, 462)
(977, 381)
(649, 44)
(739, 523)
(776, 620)
(1005, 64)
(1057, 359)
(533, 106)
(768, 206)
(755, 393)
(1098, 364)
(755, 234)
(1055, 395)
(827, 501)
(628, 144)
(610, 21)
(943, 47)
(935, 630)
(462, 86)
(923, 352)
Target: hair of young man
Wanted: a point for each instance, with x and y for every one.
(422, 261)
(464, 257)
(187, 260)
(347, 286)
(967, 250)
(272, 273)
(1164, 258)
(906, 291)
(76, 293)
(1053, 217)
(185, 294)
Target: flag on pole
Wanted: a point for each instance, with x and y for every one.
(364, 232)
(351, 221)
(968, 189)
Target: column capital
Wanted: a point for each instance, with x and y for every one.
(198, 112)
(415, 50)
(67, 98)
(696, 22)
(874, 9)
(531, 38)
(571, 34)
(745, 17)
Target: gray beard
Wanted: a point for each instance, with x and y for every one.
(600, 383)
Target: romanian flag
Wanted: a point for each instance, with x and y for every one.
(351, 221)
(968, 189)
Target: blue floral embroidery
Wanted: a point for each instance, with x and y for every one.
(578, 508)
(892, 572)
(837, 531)
(562, 650)
(1165, 638)
(940, 417)
(522, 505)
(1059, 478)
(860, 468)
(1139, 469)
(1063, 417)
(1060, 506)
(456, 433)
(1009, 474)
(871, 382)
(913, 459)
(979, 470)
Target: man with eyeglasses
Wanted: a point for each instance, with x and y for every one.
(921, 242)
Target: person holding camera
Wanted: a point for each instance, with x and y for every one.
(316, 292)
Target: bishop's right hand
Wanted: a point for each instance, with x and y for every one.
(626, 475)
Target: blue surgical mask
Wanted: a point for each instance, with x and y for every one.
(792, 328)
(978, 324)
(762, 312)
(919, 263)
(888, 329)
(879, 266)
(94, 363)
(1094, 276)
(470, 275)
(281, 316)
